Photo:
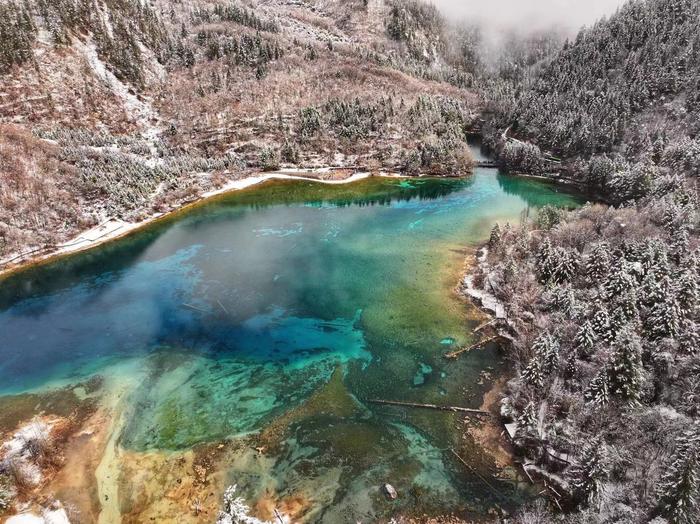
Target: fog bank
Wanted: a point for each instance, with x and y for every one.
(528, 15)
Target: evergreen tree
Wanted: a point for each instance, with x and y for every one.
(585, 338)
(627, 305)
(680, 243)
(290, 152)
(557, 265)
(547, 348)
(690, 339)
(545, 260)
(602, 326)
(564, 300)
(664, 319)
(679, 487)
(527, 421)
(654, 288)
(571, 367)
(619, 281)
(533, 374)
(598, 389)
(598, 262)
(687, 292)
(495, 237)
(565, 265)
(544, 361)
(510, 269)
(548, 217)
(591, 471)
(625, 371)
(309, 122)
(17, 35)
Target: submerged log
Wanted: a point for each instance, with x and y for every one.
(457, 353)
(455, 409)
(195, 308)
(478, 475)
(222, 306)
(486, 324)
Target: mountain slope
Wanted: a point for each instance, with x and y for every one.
(625, 89)
(153, 104)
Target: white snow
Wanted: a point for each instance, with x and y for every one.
(55, 516)
(487, 300)
(18, 450)
(25, 518)
(237, 512)
(141, 111)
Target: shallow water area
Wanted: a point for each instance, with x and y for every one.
(246, 335)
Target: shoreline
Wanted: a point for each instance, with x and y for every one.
(114, 229)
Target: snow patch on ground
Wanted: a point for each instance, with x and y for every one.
(25, 518)
(21, 449)
(54, 516)
(142, 111)
(487, 300)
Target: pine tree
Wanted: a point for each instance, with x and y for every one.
(664, 319)
(602, 326)
(544, 361)
(17, 35)
(547, 348)
(527, 421)
(654, 288)
(690, 339)
(532, 374)
(571, 367)
(619, 281)
(679, 488)
(591, 471)
(565, 265)
(598, 389)
(510, 269)
(680, 242)
(625, 371)
(545, 261)
(627, 305)
(585, 339)
(687, 292)
(564, 299)
(495, 238)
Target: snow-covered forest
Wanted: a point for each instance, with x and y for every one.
(602, 303)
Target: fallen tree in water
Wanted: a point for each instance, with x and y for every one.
(455, 409)
(455, 354)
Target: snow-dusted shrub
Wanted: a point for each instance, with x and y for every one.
(235, 510)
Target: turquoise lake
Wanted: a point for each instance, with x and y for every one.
(270, 316)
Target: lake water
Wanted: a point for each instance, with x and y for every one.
(268, 317)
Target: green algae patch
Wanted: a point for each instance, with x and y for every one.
(69, 401)
(331, 401)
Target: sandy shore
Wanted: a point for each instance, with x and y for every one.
(113, 228)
